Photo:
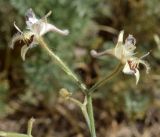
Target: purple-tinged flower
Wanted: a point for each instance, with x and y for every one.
(125, 53)
(35, 28)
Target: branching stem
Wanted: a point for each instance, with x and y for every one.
(87, 107)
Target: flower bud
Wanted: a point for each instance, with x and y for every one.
(64, 93)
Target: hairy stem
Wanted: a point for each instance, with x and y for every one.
(61, 64)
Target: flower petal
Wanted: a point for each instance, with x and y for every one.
(120, 37)
(30, 14)
(137, 75)
(135, 72)
(146, 64)
(30, 18)
(127, 69)
(16, 40)
(119, 47)
(129, 46)
(130, 40)
(24, 50)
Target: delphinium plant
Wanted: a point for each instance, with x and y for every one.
(123, 51)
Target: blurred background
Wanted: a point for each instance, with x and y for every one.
(30, 89)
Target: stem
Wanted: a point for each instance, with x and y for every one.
(105, 79)
(86, 116)
(61, 64)
(83, 109)
(12, 134)
(78, 103)
(108, 29)
(91, 115)
(30, 125)
(72, 75)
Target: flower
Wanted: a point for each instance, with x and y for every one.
(35, 28)
(125, 53)
(40, 26)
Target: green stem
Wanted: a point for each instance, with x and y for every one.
(86, 116)
(83, 109)
(77, 102)
(30, 126)
(87, 112)
(61, 64)
(12, 134)
(91, 115)
(105, 79)
(72, 75)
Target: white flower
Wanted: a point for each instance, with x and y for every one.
(125, 53)
(35, 27)
(40, 26)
